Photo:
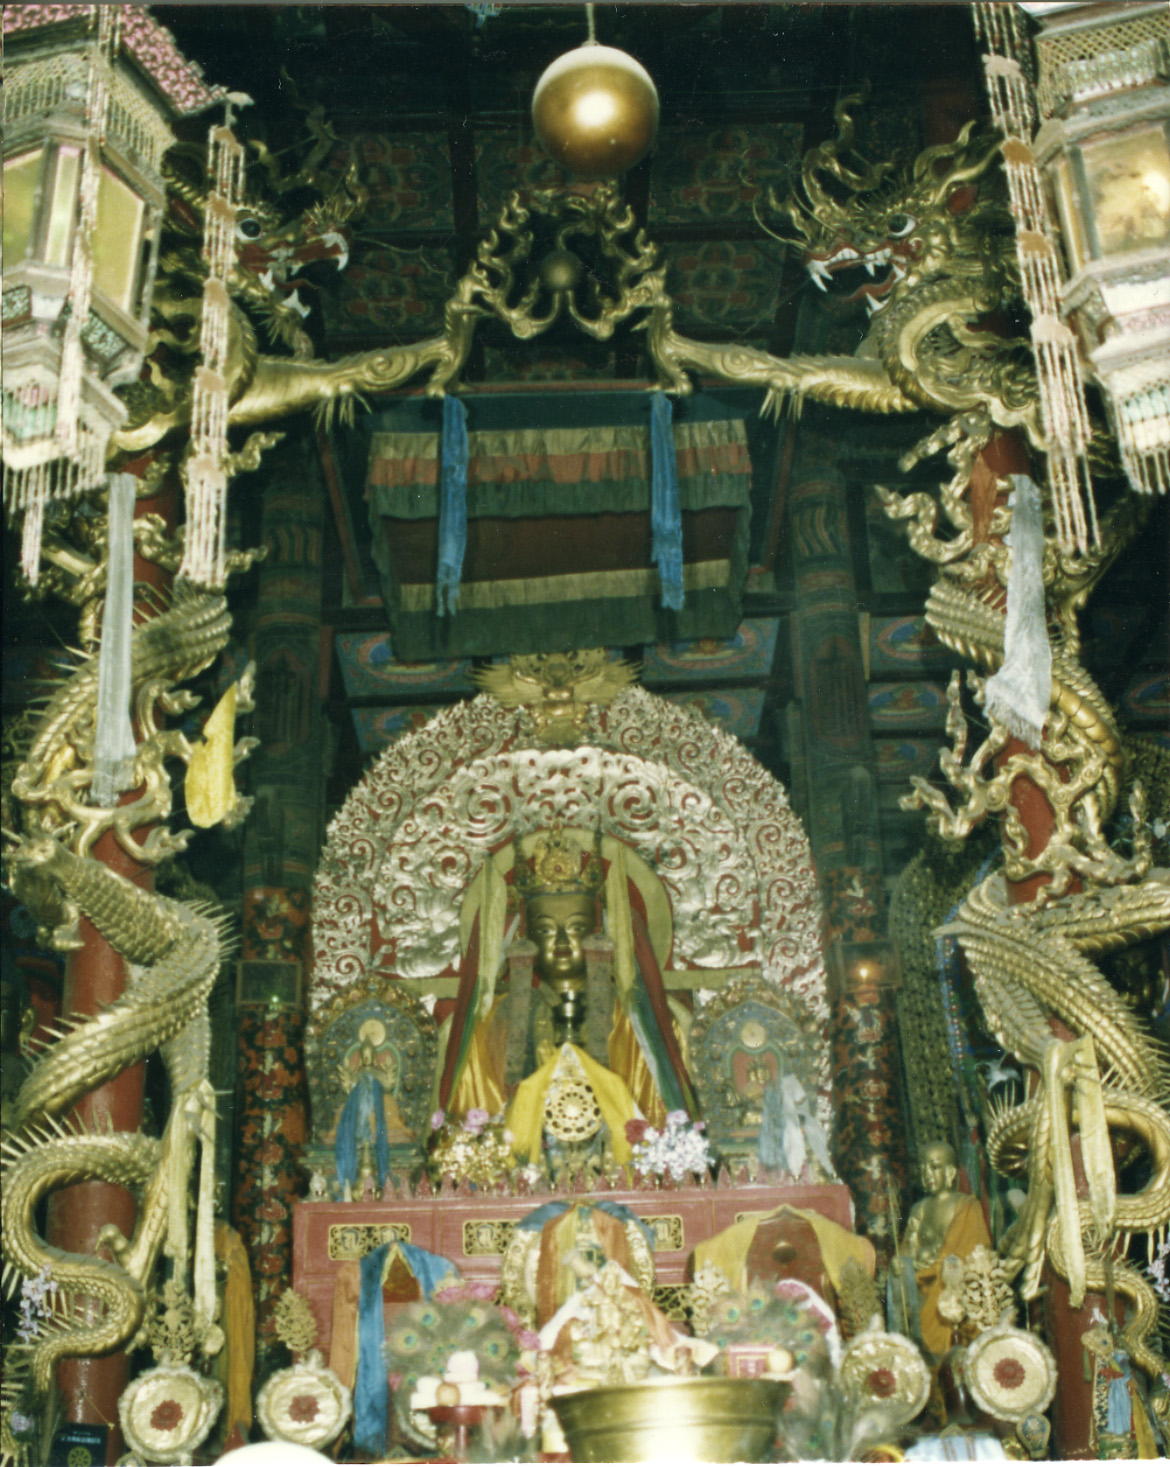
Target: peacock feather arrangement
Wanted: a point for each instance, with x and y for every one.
(422, 1339)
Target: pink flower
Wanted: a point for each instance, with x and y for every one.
(437, 1119)
(677, 1118)
(636, 1130)
(457, 1292)
(475, 1120)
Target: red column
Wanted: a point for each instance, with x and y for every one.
(94, 977)
(1073, 1407)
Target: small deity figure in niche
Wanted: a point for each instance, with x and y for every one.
(758, 1075)
(1122, 1423)
(755, 1067)
(945, 1223)
(503, 1048)
(370, 1117)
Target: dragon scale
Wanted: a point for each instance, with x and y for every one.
(173, 953)
(1032, 961)
(937, 264)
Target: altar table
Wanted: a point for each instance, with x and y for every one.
(472, 1229)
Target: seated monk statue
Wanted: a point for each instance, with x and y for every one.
(520, 1036)
(944, 1223)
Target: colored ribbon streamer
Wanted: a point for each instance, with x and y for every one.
(371, 1394)
(1076, 1062)
(210, 785)
(665, 514)
(433, 1272)
(452, 506)
(1020, 692)
(114, 746)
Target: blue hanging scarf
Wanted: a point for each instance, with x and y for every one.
(433, 1272)
(371, 1391)
(452, 506)
(665, 514)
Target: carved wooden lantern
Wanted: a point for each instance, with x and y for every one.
(89, 94)
(1104, 146)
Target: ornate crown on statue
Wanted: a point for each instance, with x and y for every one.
(558, 866)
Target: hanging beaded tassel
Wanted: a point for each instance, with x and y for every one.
(1141, 398)
(205, 474)
(1063, 413)
(51, 451)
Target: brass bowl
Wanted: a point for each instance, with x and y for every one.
(702, 1419)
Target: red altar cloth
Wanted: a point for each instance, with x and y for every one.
(472, 1229)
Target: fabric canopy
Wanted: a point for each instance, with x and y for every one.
(558, 526)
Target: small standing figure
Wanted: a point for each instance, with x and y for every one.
(1122, 1428)
(944, 1223)
(370, 1117)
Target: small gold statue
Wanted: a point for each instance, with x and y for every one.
(558, 923)
(945, 1223)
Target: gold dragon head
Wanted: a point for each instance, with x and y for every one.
(880, 230)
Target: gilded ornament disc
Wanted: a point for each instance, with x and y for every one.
(571, 1111)
(306, 1404)
(168, 1411)
(885, 1372)
(1010, 1373)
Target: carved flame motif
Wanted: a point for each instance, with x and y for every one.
(557, 689)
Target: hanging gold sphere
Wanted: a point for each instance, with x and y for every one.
(595, 110)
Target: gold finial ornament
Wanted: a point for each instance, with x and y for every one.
(595, 110)
(295, 1323)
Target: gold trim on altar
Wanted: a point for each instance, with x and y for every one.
(487, 1237)
(669, 1233)
(354, 1240)
(674, 1300)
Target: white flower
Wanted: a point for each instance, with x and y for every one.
(676, 1151)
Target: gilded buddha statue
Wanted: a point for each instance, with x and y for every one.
(500, 1049)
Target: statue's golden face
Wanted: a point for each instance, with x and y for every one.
(558, 925)
(938, 1169)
